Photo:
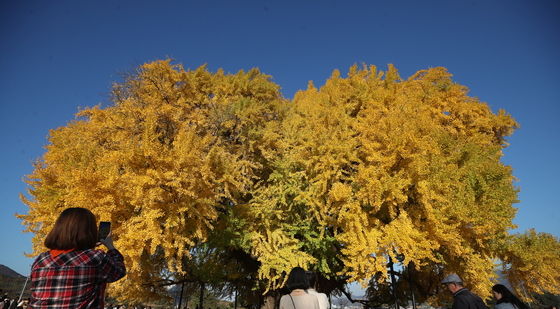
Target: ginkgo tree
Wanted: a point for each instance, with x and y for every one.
(343, 179)
(175, 149)
(373, 168)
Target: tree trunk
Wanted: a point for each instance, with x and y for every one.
(181, 296)
(201, 298)
(393, 282)
(411, 283)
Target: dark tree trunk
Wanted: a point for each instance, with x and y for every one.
(181, 296)
(201, 298)
(393, 282)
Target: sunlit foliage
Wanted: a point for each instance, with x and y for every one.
(175, 149)
(373, 166)
(343, 178)
(531, 262)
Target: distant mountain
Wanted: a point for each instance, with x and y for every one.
(11, 282)
(8, 272)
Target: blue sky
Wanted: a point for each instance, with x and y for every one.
(59, 56)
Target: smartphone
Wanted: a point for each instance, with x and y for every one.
(104, 230)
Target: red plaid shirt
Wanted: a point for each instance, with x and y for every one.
(76, 279)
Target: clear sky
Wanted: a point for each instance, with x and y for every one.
(58, 56)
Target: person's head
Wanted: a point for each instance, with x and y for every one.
(75, 228)
(312, 278)
(453, 283)
(501, 292)
(297, 279)
(504, 295)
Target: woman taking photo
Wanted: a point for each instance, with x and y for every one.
(298, 298)
(73, 274)
(505, 299)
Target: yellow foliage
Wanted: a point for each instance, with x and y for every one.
(158, 164)
(531, 262)
(367, 168)
(401, 168)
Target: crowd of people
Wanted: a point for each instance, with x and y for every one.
(7, 302)
(74, 274)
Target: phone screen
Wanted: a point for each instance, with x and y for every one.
(104, 229)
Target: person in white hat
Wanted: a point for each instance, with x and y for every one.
(462, 297)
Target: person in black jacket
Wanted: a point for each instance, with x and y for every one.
(462, 297)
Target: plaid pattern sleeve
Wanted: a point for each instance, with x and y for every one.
(76, 279)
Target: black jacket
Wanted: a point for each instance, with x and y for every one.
(464, 299)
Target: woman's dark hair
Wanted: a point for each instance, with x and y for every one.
(297, 279)
(75, 228)
(312, 278)
(508, 297)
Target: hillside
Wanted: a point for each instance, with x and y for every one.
(11, 282)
